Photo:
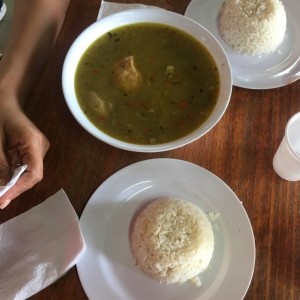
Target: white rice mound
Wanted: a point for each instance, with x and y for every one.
(172, 241)
(253, 27)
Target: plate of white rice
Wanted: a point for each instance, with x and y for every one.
(273, 59)
(108, 270)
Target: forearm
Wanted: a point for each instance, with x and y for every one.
(35, 28)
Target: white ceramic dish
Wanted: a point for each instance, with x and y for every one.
(107, 270)
(137, 16)
(3, 9)
(258, 72)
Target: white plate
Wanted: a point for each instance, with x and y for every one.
(258, 72)
(2, 11)
(107, 270)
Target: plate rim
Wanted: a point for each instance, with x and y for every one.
(3, 10)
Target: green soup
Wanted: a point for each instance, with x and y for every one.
(147, 83)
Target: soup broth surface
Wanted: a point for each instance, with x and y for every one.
(147, 83)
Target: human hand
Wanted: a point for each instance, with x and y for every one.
(21, 143)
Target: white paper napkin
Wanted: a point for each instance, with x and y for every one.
(38, 247)
(15, 176)
(108, 8)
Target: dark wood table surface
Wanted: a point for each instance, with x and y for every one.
(239, 150)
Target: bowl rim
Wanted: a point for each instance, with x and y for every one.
(146, 15)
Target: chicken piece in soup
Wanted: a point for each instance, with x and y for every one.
(127, 76)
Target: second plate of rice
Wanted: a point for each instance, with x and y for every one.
(108, 267)
(261, 69)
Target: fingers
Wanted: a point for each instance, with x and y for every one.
(4, 174)
(4, 171)
(33, 174)
(27, 146)
(4, 168)
(15, 158)
(24, 183)
(32, 154)
(4, 177)
(4, 204)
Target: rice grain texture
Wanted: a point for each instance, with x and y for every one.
(253, 27)
(172, 241)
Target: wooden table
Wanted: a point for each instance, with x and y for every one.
(239, 150)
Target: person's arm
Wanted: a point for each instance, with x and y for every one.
(36, 25)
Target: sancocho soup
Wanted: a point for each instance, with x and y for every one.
(147, 83)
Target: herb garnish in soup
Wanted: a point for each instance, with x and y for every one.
(147, 83)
